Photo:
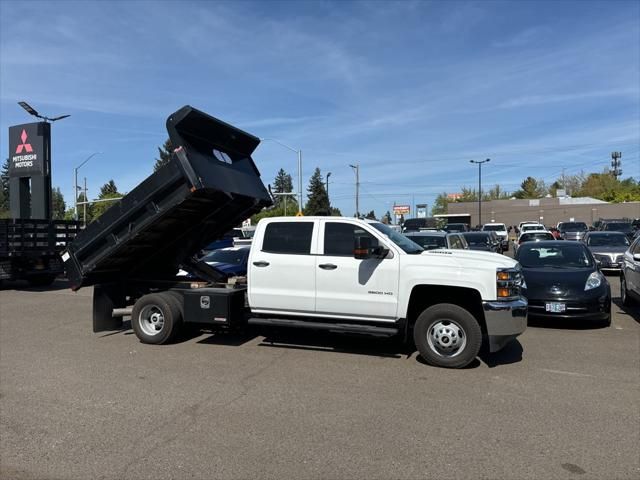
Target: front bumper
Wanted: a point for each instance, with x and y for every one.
(505, 321)
(594, 308)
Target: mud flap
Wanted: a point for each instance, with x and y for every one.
(106, 297)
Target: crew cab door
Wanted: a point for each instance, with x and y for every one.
(281, 272)
(350, 288)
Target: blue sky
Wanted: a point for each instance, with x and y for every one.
(410, 90)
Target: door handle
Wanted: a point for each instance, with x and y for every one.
(328, 266)
(261, 264)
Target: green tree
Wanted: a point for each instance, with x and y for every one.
(440, 204)
(4, 190)
(531, 188)
(386, 219)
(164, 154)
(318, 201)
(58, 204)
(283, 184)
(335, 212)
(82, 209)
(108, 188)
(371, 215)
(108, 191)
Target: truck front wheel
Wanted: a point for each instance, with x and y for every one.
(156, 318)
(447, 335)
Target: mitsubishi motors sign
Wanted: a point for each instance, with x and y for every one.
(29, 149)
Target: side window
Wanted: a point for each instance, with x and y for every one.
(455, 241)
(339, 238)
(636, 249)
(288, 237)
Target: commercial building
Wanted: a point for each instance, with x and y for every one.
(548, 211)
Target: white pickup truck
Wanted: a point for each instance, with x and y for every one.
(347, 274)
(322, 273)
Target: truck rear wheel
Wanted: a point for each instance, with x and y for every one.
(156, 318)
(447, 335)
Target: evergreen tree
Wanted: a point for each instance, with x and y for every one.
(531, 188)
(386, 219)
(281, 184)
(108, 188)
(164, 153)
(58, 204)
(318, 201)
(107, 191)
(4, 190)
(371, 215)
(335, 212)
(81, 209)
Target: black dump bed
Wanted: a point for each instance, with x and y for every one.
(210, 185)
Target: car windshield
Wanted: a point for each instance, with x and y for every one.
(528, 237)
(400, 240)
(618, 227)
(608, 240)
(234, 257)
(532, 227)
(456, 227)
(573, 227)
(571, 255)
(475, 239)
(428, 242)
(494, 228)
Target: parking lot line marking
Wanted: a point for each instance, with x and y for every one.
(562, 372)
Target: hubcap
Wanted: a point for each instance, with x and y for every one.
(151, 320)
(446, 338)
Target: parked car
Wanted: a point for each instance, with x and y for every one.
(486, 241)
(624, 227)
(534, 236)
(501, 231)
(533, 227)
(415, 224)
(608, 248)
(630, 275)
(456, 227)
(231, 261)
(432, 240)
(573, 230)
(528, 222)
(563, 281)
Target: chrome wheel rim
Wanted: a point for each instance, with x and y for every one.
(446, 338)
(151, 320)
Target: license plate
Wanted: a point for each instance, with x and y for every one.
(555, 307)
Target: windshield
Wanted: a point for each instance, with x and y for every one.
(532, 227)
(573, 227)
(234, 257)
(456, 227)
(428, 242)
(494, 228)
(608, 240)
(475, 239)
(618, 227)
(528, 237)
(565, 256)
(400, 240)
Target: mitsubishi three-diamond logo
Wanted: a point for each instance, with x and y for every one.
(24, 145)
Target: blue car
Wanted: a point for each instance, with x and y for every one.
(232, 261)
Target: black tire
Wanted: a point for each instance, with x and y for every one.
(624, 295)
(177, 299)
(156, 318)
(457, 325)
(41, 280)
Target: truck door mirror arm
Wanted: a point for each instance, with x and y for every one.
(362, 249)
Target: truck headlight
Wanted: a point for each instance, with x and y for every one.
(594, 281)
(509, 282)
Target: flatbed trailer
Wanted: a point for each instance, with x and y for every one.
(30, 249)
(137, 246)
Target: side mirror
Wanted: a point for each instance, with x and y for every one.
(362, 248)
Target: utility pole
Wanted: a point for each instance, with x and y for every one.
(86, 199)
(480, 187)
(616, 163)
(327, 189)
(356, 168)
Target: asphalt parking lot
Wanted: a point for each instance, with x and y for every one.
(562, 402)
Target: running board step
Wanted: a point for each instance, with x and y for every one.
(332, 327)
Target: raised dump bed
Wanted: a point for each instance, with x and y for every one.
(210, 185)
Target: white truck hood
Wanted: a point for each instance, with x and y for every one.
(470, 258)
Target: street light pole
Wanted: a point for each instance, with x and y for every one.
(356, 168)
(327, 189)
(299, 152)
(75, 183)
(480, 187)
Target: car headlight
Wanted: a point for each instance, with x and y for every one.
(594, 281)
